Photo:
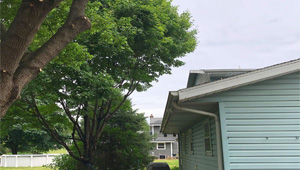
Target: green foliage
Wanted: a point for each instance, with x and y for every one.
(141, 40)
(131, 44)
(63, 162)
(21, 133)
(8, 10)
(125, 143)
(122, 145)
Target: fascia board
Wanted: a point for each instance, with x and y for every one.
(239, 80)
(173, 96)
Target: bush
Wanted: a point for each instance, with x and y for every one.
(63, 162)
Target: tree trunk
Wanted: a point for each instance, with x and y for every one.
(84, 166)
(14, 150)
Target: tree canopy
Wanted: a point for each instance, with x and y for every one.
(131, 44)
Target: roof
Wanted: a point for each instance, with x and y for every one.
(197, 77)
(239, 80)
(156, 120)
(182, 96)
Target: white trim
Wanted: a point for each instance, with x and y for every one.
(31, 161)
(162, 141)
(171, 150)
(239, 80)
(16, 160)
(161, 148)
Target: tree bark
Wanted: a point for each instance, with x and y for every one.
(82, 165)
(17, 66)
(14, 150)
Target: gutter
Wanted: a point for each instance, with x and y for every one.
(218, 128)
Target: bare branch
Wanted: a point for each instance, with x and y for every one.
(75, 122)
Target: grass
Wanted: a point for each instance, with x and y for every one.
(26, 168)
(59, 151)
(173, 163)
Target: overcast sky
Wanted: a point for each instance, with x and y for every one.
(232, 34)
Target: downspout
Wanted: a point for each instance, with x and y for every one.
(218, 133)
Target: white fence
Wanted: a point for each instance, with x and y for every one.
(26, 160)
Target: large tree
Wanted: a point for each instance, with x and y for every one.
(134, 43)
(18, 64)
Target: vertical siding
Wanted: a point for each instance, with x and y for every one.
(261, 125)
(198, 158)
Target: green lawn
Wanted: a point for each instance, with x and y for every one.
(26, 168)
(173, 163)
(60, 151)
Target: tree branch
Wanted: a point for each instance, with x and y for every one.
(75, 122)
(18, 37)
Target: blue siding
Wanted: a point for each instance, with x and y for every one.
(198, 160)
(261, 125)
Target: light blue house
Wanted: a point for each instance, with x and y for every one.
(238, 119)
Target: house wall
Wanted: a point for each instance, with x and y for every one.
(157, 132)
(261, 125)
(167, 140)
(166, 151)
(198, 159)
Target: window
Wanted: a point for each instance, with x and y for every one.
(161, 146)
(207, 138)
(162, 156)
(190, 141)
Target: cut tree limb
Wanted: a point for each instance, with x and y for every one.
(17, 67)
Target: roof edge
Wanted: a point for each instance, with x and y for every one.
(239, 80)
(173, 96)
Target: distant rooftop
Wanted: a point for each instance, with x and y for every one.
(155, 120)
(197, 77)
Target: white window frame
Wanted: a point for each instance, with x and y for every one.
(161, 148)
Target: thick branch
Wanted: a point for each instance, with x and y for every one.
(18, 37)
(22, 30)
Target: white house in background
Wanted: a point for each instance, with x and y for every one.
(164, 146)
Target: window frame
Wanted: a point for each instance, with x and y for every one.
(161, 148)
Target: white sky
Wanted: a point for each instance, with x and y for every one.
(232, 34)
